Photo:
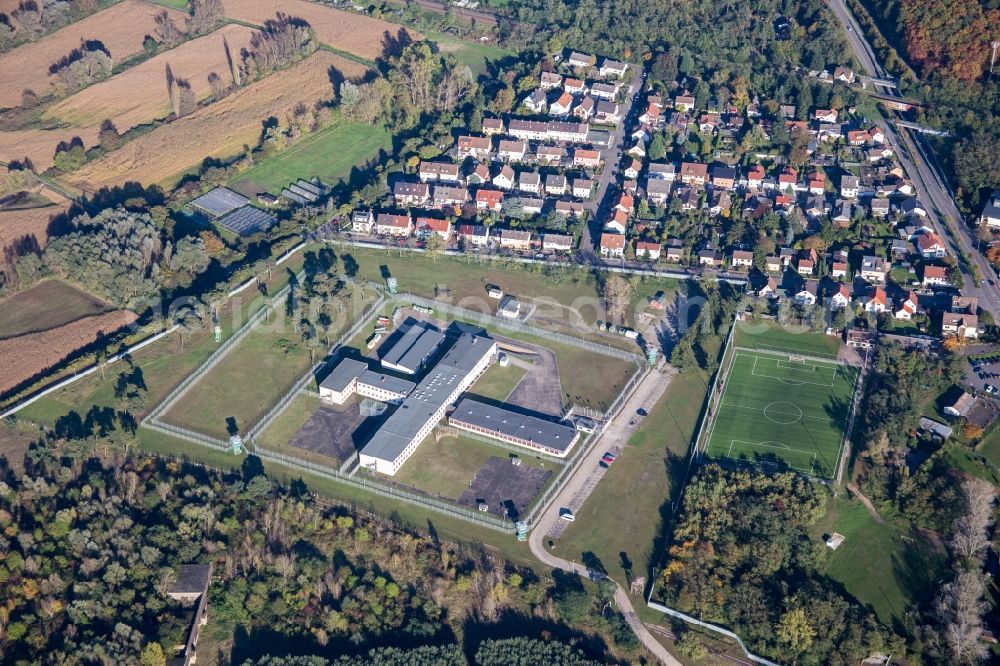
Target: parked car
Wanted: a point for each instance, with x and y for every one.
(567, 515)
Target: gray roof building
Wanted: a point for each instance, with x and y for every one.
(506, 425)
(413, 349)
(218, 202)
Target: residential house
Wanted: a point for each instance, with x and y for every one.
(826, 115)
(772, 264)
(911, 207)
(532, 205)
(741, 260)
(612, 245)
(690, 199)
(873, 269)
(574, 86)
(570, 208)
(585, 109)
(709, 122)
(537, 101)
(906, 307)
(411, 194)
(931, 246)
(991, 212)
(387, 224)
(841, 297)
(439, 171)
(857, 137)
(876, 301)
(550, 154)
(638, 150)
(960, 325)
(474, 234)
(899, 249)
(362, 221)
(588, 159)
(766, 288)
(675, 250)
(617, 223)
(661, 171)
(479, 175)
(514, 239)
(808, 293)
(555, 184)
(625, 203)
(612, 69)
(710, 258)
(849, 186)
(551, 80)
(476, 147)
(694, 173)
(755, 177)
(561, 106)
(647, 250)
(604, 91)
(492, 126)
(684, 103)
(529, 181)
(844, 74)
(582, 188)
(817, 183)
(580, 60)
(723, 177)
(653, 115)
(935, 276)
(844, 214)
(512, 151)
(633, 169)
(557, 243)
(450, 196)
(607, 113)
(720, 202)
(489, 200)
(426, 227)
(505, 179)
(969, 304)
(787, 179)
(879, 207)
(805, 266)
(658, 190)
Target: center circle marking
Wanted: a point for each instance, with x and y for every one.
(782, 413)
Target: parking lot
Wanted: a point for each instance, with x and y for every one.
(984, 374)
(501, 484)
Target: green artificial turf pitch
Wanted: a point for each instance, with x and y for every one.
(783, 412)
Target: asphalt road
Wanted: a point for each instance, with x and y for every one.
(928, 181)
(613, 156)
(647, 392)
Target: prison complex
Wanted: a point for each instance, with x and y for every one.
(422, 405)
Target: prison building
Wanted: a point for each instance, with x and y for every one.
(403, 431)
(412, 350)
(531, 432)
(354, 377)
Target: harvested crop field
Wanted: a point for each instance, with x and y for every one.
(121, 28)
(39, 146)
(46, 305)
(15, 224)
(218, 130)
(356, 34)
(25, 356)
(139, 95)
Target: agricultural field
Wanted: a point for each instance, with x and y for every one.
(218, 130)
(25, 356)
(39, 145)
(359, 35)
(15, 224)
(779, 411)
(328, 154)
(46, 305)
(139, 94)
(468, 53)
(121, 28)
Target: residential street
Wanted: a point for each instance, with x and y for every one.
(930, 186)
(613, 156)
(615, 434)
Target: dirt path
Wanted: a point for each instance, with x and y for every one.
(867, 502)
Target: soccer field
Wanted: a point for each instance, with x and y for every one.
(783, 411)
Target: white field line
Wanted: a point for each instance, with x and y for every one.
(788, 380)
(761, 409)
(780, 447)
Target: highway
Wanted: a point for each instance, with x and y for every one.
(928, 180)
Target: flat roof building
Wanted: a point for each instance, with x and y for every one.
(425, 406)
(412, 350)
(532, 432)
(352, 376)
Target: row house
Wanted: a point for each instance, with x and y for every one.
(550, 155)
(474, 234)
(476, 147)
(425, 227)
(450, 196)
(512, 151)
(388, 224)
(529, 181)
(439, 171)
(493, 126)
(410, 194)
(514, 239)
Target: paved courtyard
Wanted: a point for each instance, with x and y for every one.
(336, 431)
(503, 485)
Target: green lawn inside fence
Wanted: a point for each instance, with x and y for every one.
(782, 412)
(770, 335)
(498, 381)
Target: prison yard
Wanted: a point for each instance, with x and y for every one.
(784, 411)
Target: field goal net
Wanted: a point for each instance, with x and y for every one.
(795, 358)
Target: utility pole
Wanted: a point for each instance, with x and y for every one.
(993, 58)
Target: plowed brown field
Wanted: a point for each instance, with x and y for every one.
(40, 145)
(31, 221)
(25, 356)
(217, 130)
(121, 28)
(346, 31)
(139, 94)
